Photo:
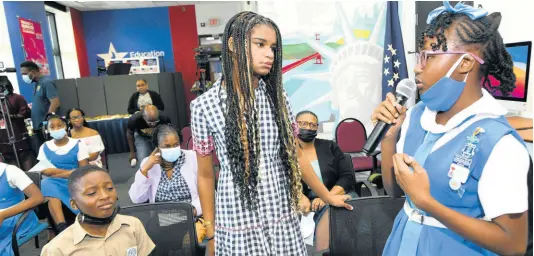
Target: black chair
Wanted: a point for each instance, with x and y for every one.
(365, 183)
(186, 135)
(41, 211)
(365, 229)
(170, 225)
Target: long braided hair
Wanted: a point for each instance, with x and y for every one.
(242, 129)
(483, 32)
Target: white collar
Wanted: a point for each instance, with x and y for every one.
(52, 146)
(486, 106)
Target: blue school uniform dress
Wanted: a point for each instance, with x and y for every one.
(9, 197)
(58, 187)
(454, 169)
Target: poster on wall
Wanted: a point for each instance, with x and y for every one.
(332, 57)
(33, 44)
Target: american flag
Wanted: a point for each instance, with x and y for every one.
(394, 65)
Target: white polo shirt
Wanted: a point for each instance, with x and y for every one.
(502, 187)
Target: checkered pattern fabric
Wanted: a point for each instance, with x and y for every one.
(174, 189)
(273, 229)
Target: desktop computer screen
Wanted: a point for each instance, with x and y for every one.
(517, 99)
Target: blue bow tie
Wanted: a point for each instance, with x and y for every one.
(472, 12)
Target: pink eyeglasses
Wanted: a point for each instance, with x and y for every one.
(423, 55)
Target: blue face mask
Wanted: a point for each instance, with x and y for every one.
(171, 154)
(445, 92)
(58, 134)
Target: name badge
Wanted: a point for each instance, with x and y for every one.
(131, 251)
(454, 184)
(458, 172)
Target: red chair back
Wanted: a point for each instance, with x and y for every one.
(186, 134)
(351, 135)
(189, 144)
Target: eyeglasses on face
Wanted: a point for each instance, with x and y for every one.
(422, 56)
(306, 124)
(76, 117)
(152, 122)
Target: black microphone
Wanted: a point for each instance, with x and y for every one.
(405, 89)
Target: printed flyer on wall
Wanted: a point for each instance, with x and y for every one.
(33, 44)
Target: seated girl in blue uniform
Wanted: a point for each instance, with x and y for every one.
(461, 165)
(66, 154)
(14, 184)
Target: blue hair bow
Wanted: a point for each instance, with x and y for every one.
(472, 12)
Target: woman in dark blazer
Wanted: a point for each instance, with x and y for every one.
(332, 167)
(143, 91)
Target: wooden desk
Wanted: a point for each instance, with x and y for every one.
(526, 135)
(520, 123)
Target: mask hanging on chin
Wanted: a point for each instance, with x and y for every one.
(445, 92)
(88, 219)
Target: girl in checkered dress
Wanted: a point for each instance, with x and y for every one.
(247, 118)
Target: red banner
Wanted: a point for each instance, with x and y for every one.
(33, 44)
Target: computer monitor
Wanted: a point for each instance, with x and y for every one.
(119, 69)
(516, 101)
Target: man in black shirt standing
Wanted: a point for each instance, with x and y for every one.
(144, 97)
(140, 127)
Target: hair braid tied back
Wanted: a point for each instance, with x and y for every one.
(482, 32)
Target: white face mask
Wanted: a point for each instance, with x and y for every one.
(171, 154)
(27, 79)
(58, 134)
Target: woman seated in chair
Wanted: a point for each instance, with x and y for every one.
(330, 165)
(66, 154)
(98, 229)
(79, 129)
(14, 184)
(169, 174)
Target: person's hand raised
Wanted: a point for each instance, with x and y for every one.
(153, 159)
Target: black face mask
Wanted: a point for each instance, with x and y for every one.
(307, 135)
(88, 219)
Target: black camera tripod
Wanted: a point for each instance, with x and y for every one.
(6, 116)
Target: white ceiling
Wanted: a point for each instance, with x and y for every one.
(110, 5)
